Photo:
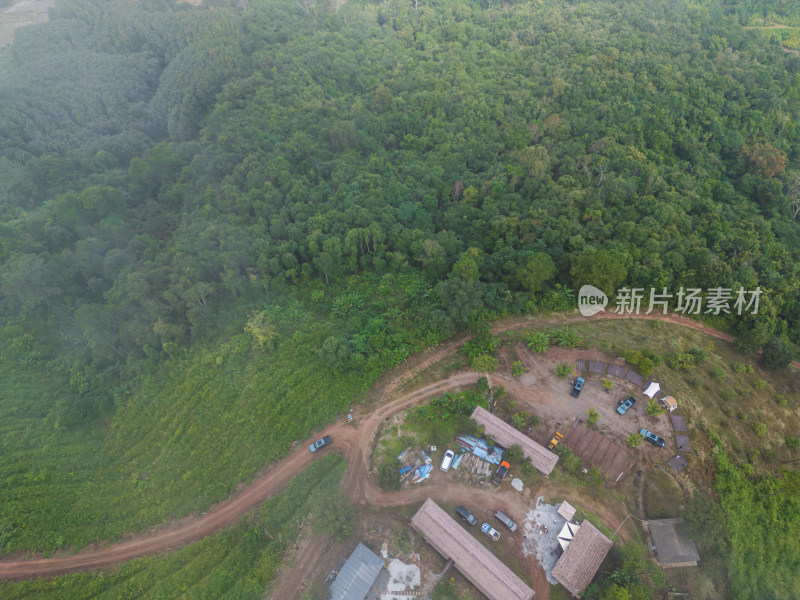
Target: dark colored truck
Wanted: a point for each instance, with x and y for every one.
(576, 390)
(500, 473)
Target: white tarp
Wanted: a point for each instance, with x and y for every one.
(652, 389)
(567, 533)
(517, 484)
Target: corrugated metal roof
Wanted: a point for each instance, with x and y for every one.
(357, 575)
(505, 435)
(579, 563)
(476, 563)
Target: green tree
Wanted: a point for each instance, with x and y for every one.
(593, 415)
(603, 269)
(536, 269)
(777, 354)
(635, 440)
(654, 408)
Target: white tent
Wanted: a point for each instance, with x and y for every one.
(567, 533)
(652, 389)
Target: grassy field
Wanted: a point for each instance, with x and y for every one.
(179, 440)
(237, 563)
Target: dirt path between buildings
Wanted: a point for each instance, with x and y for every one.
(355, 441)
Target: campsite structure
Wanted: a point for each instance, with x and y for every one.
(508, 436)
(482, 568)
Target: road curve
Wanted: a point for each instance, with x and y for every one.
(354, 441)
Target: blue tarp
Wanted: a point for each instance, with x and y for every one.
(481, 448)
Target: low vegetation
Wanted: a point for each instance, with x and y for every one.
(239, 562)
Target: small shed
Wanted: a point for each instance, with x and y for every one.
(357, 576)
(669, 403)
(566, 510)
(673, 546)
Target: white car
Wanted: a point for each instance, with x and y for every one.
(447, 460)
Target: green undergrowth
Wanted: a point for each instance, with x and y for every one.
(237, 563)
(180, 439)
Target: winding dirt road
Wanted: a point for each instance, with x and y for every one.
(354, 441)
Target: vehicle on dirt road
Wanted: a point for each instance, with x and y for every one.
(576, 389)
(466, 515)
(652, 438)
(447, 460)
(624, 405)
(505, 520)
(500, 473)
(490, 531)
(321, 443)
(554, 442)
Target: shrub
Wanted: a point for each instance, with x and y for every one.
(563, 370)
(607, 384)
(517, 368)
(528, 470)
(742, 368)
(719, 373)
(781, 399)
(538, 341)
(567, 338)
(593, 415)
(484, 364)
(759, 384)
(389, 476)
(635, 439)
(792, 442)
(519, 420)
(514, 454)
(760, 428)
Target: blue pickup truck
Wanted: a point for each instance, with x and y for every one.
(576, 390)
(624, 405)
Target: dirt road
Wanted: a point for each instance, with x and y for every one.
(354, 441)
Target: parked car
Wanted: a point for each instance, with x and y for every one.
(554, 442)
(466, 515)
(500, 473)
(326, 441)
(447, 460)
(624, 405)
(576, 390)
(490, 531)
(652, 438)
(505, 520)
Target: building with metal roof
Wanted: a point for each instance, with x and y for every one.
(507, 436)
(482, 568)
(673, 546)
(582, 558)
(357, 576)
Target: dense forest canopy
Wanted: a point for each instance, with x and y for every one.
(336, 187)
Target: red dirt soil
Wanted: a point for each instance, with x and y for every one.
(354, 441)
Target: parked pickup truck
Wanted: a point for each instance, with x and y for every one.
(576, 390)
(624, 405)
(490, 531)
(326, 441)
(500, 473)
(652, 438)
